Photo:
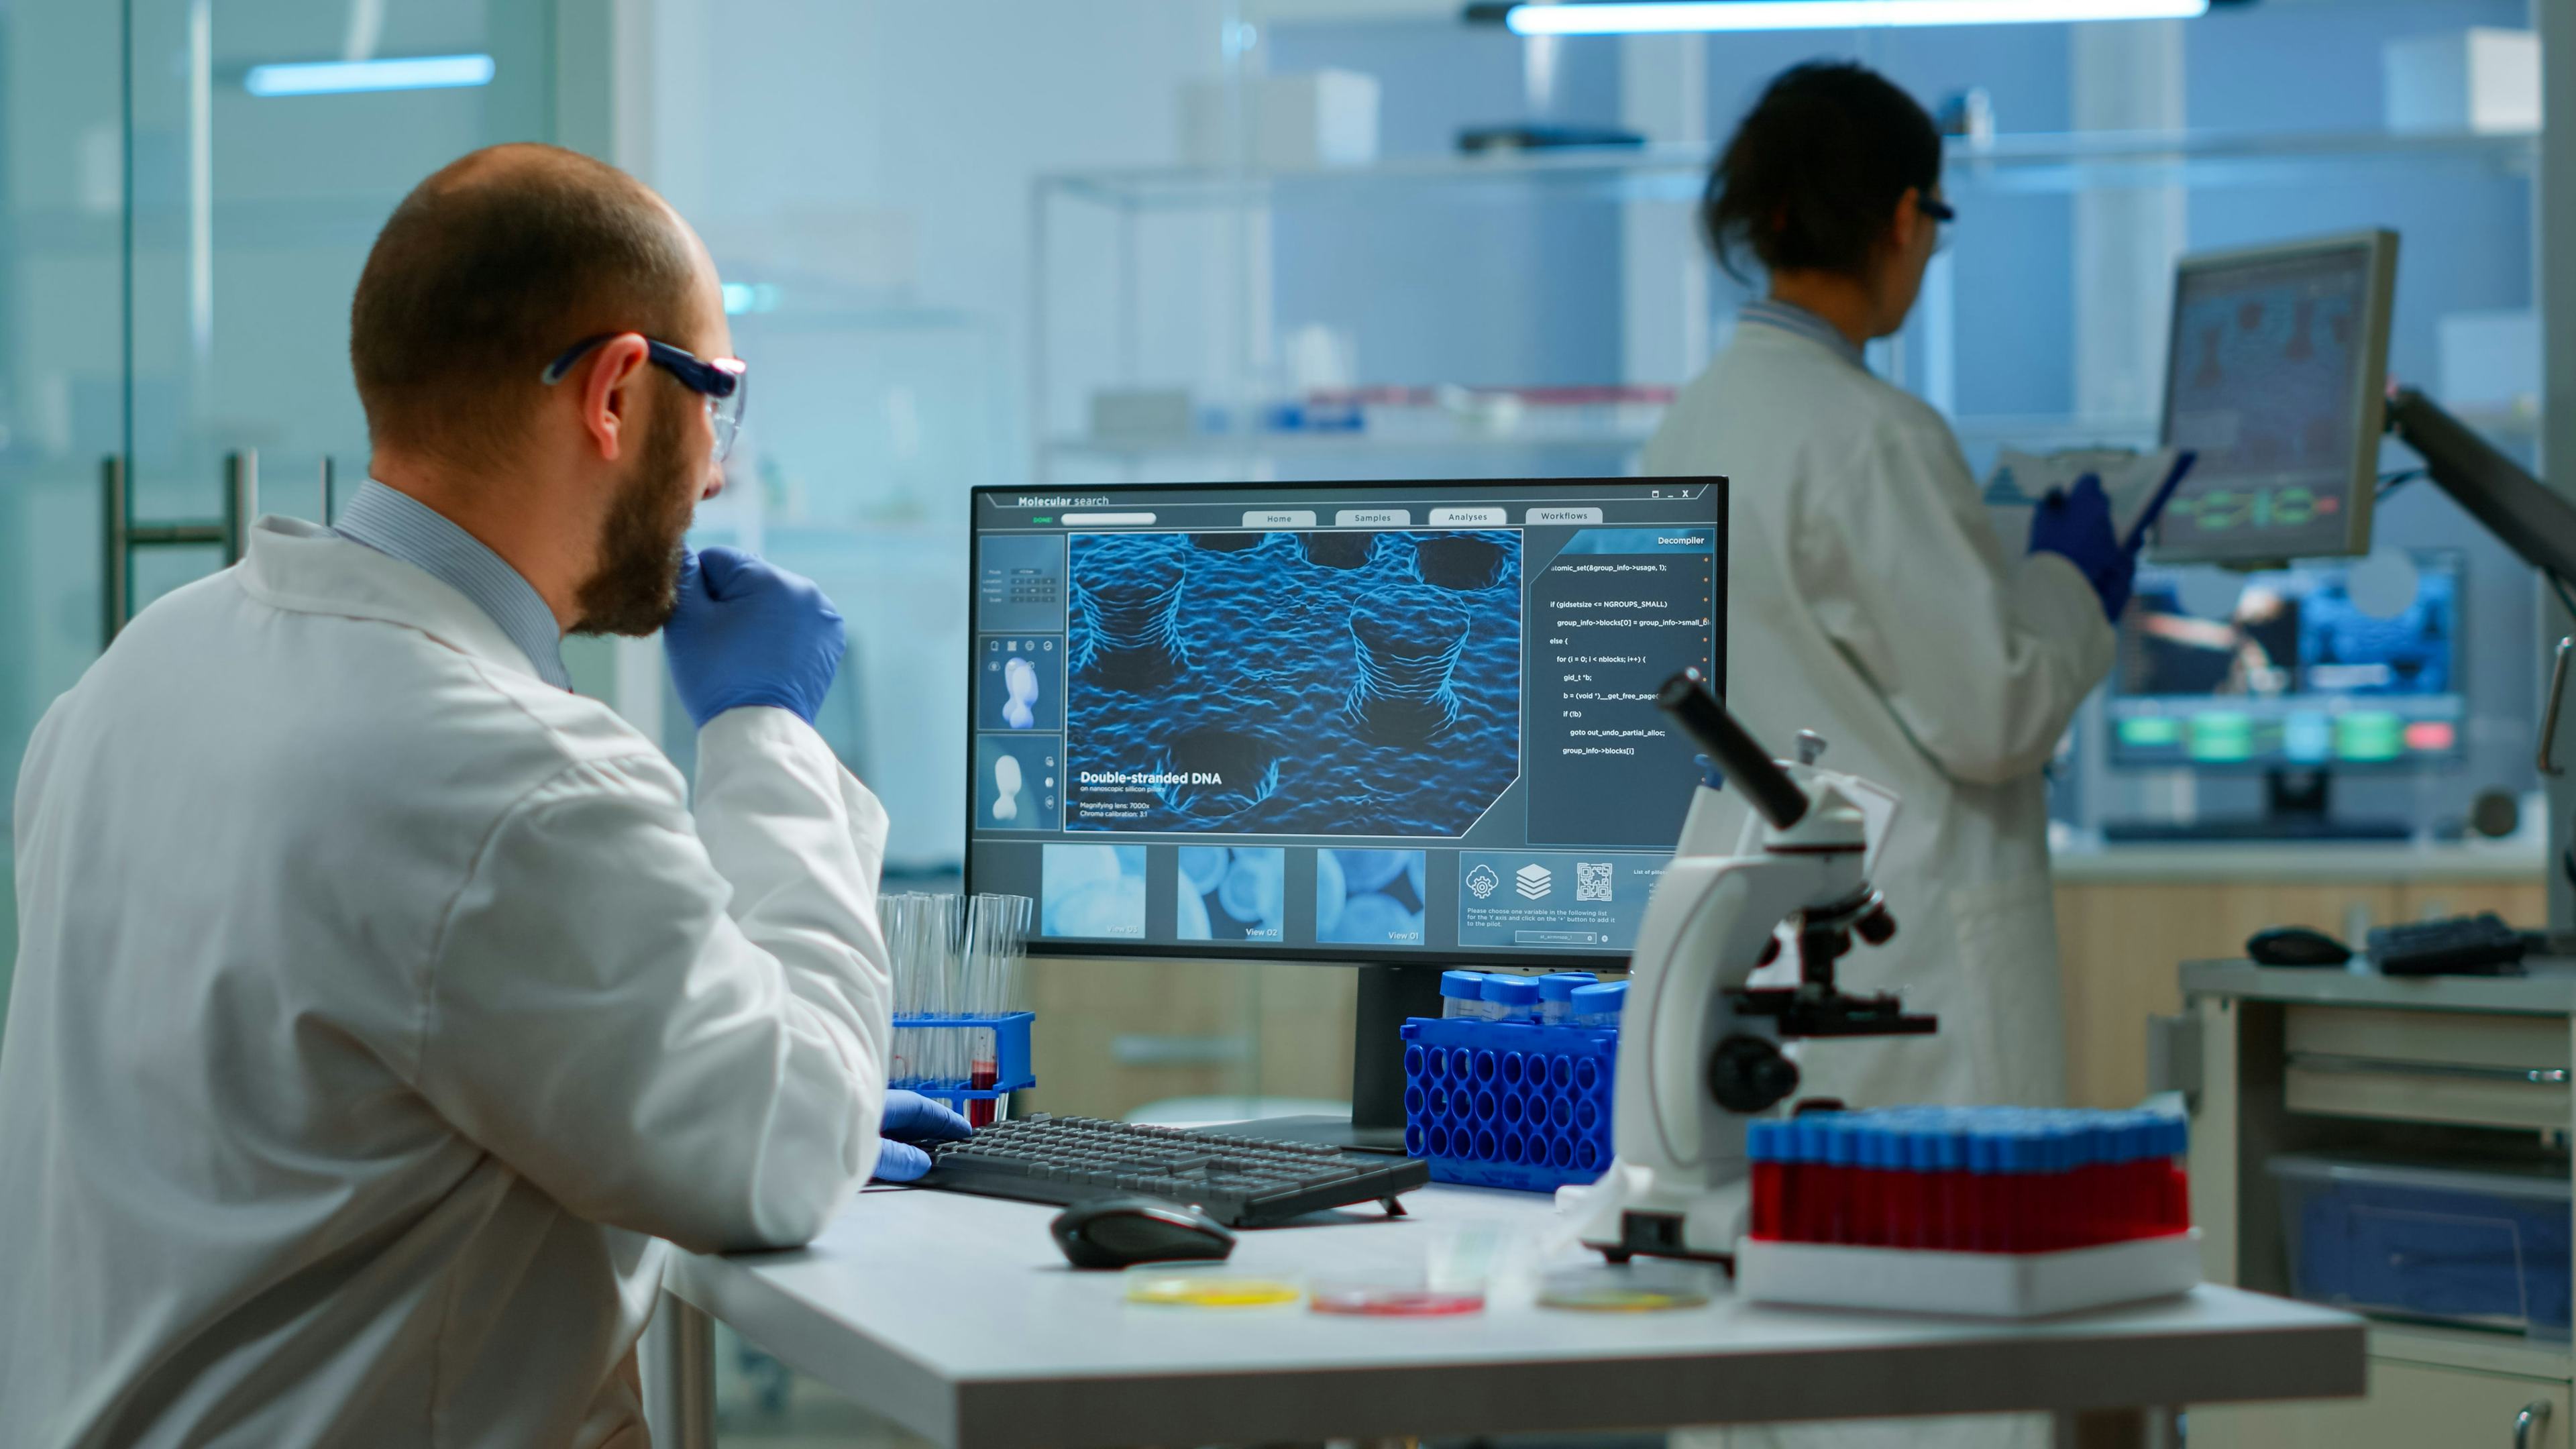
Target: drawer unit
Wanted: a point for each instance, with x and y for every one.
(2411, 1406)
(2487, 1068)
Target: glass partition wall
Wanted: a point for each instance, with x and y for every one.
(187, 192)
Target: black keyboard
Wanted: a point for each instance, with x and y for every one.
(1242, 1182)
(2481, 945)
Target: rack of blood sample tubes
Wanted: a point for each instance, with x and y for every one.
(1969, 1179)
(958, 963)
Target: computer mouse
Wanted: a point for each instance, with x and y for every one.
(2296, 946)
(1120, 1232)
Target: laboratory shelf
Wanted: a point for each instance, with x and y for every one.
(1075, 212)
(1340, 445)
(2028, 161)
(2036, 433)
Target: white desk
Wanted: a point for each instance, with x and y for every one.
(955, 1317)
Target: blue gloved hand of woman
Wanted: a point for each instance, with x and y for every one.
(749, 633)
(912, 1119)
(2075, 524)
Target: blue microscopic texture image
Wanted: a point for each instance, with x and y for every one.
(1233, 894)
(1368, 897)
(1338, 682)
(1092, 891)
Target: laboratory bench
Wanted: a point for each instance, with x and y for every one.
(2127, 913)
(2295, 1076)
(955, 1318)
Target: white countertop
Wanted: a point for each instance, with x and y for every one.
(2301, 860)
(956, 1317)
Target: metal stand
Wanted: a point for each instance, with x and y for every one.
(1388, 996)
(2153, 1428)
(122, 536)
(679, 1368)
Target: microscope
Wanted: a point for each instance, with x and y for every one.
(1699, 1049)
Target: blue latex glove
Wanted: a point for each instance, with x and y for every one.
(912, 1118)
(2075, 524)
(746, 632)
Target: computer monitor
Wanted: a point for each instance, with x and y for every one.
(2276, 379)
(2313, 667)
(1395, 724)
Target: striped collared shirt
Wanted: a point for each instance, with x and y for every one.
(1790, 317)
(397, 525)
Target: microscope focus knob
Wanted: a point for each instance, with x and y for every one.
(1749, 1074)
(1877, 927)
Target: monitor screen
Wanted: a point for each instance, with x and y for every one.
(2295, 668)
(2275, 380)
(1338, 722)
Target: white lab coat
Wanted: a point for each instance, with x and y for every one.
(378, 1006)
(1869, 599)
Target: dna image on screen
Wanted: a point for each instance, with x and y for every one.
(1347, 682)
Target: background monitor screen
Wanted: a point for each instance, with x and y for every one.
(1338, 722)
(2276, 378)
(2287, 669)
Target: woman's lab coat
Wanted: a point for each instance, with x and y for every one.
(1869, 599)
(378, 1007)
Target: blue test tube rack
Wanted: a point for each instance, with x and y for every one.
(1509, 1104)
(1011, 1049)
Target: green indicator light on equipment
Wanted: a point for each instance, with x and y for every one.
(2369, 735)
(1042, 518)
(2221, 737)
(2151, 731)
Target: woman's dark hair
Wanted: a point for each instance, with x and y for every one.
(1816, 168)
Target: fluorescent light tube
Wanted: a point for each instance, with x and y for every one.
(340, 77)
(1655, 17)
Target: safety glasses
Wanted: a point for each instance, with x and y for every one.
(722, 381)
(1942, 214)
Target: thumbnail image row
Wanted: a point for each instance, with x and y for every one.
(1234, 893)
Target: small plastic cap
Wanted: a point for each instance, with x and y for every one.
(1464, 985)
(1561, 985)
(1511, 990)
(1709, 774)
(1606, 997)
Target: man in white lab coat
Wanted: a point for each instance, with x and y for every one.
(379, 1001)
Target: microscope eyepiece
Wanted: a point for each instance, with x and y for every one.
(1686, 698)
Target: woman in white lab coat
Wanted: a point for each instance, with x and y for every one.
(1869, 598)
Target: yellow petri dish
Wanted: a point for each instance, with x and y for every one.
(1209, 1290)
(1638, 1288)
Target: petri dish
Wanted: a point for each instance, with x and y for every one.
(1208, 1285)
(1638, 1287)
(1397, 1295)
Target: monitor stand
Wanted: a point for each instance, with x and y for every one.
(2296, 808)
(1388, 996)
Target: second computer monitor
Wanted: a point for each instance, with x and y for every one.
(2276, 380)
(1360, 722)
